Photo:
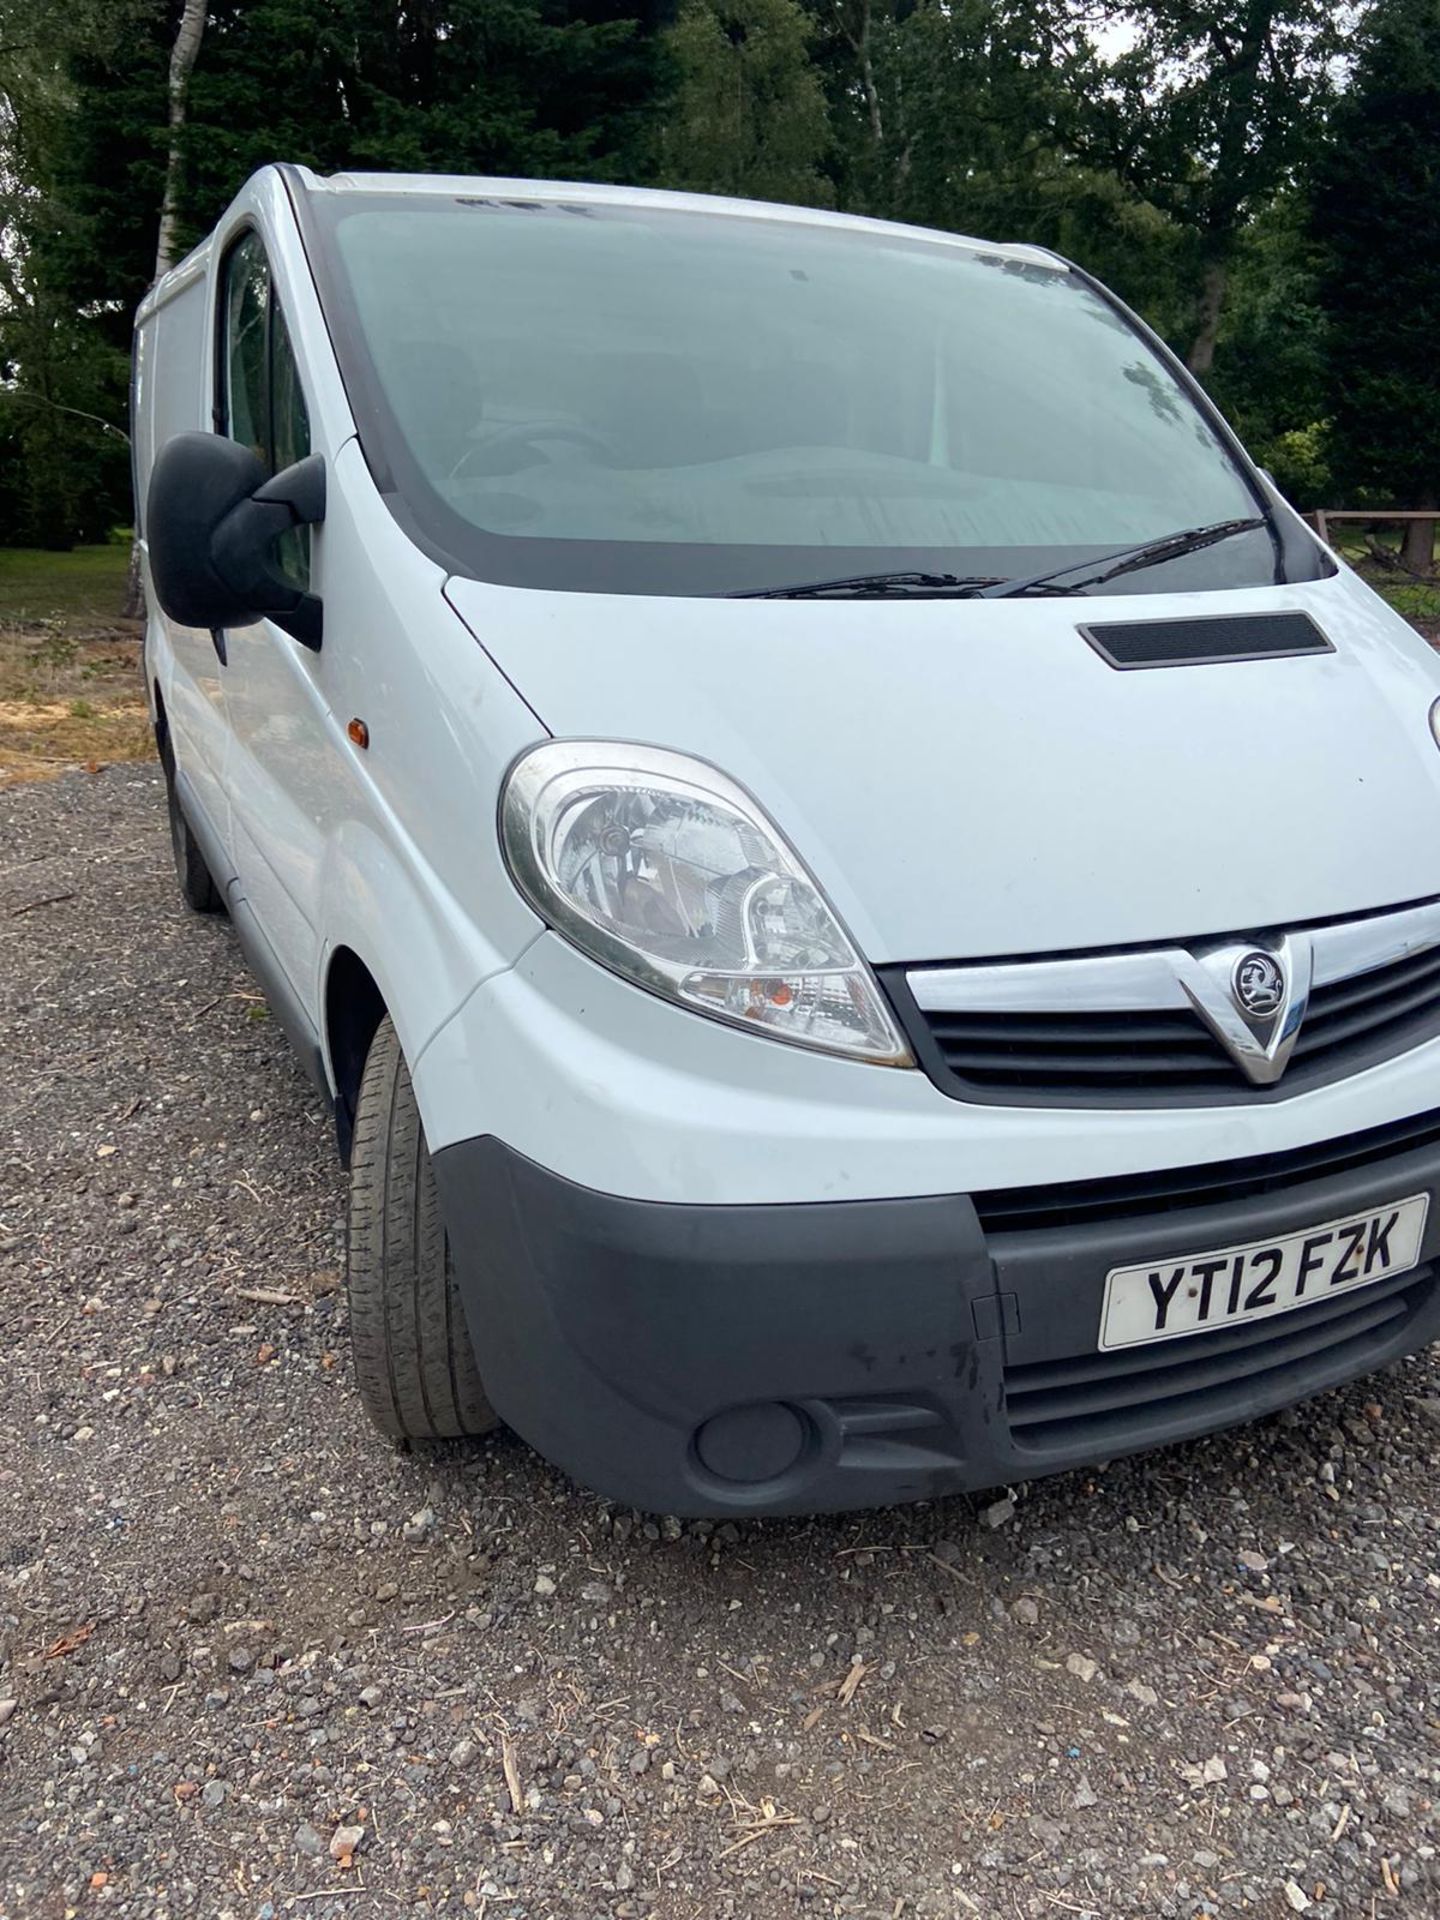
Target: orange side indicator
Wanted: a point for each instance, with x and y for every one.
(359, 733)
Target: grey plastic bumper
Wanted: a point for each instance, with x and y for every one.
(799, 1359)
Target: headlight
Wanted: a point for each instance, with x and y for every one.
(664, 870)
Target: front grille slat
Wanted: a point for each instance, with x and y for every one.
(1050, 1053)
(1111, 1397)
(1125, 1389)
(1159, 1357)
(1338, 996)
(1049, 1066)
(1326, 1027)
(1110, 1030)
(1014, 1210)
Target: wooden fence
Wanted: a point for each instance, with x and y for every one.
(1324, 517)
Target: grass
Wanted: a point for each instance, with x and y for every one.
(1414, 600)
(70, 692)
(85, 585)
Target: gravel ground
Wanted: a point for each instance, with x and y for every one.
(255, 1661)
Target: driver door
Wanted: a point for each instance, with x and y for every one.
(278, 750)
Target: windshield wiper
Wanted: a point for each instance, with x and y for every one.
(1125, 560)
(982, 586)
(864, 586)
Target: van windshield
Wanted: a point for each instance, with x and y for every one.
(621, 397)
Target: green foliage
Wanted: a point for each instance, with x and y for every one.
(1216, 103)
(748, 113)
(1298, 460)
(975, 132)
(64, 467)
(1207, 115)
(520, 87)
(1377, 221)
(1272, 373)
(61, 386)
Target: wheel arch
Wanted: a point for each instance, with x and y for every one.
(354, 1006)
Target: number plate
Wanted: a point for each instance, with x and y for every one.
(1164, 1299)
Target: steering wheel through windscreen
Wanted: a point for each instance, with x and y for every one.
(519, 434)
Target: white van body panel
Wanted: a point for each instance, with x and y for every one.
(281, 780)
(410, 876)
(970, 779)
(618, 1090)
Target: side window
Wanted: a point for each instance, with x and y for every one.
(289, 437)
(261, 400)
(247, 318)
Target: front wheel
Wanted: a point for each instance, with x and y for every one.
(414, 1363)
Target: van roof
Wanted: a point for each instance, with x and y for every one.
(447, 186)
(592, 193)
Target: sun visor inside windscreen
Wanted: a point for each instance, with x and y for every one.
(1216, 640)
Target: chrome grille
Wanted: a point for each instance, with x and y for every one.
(1129, 1027)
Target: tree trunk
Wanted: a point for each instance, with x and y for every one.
(183, 55)
(1201, 356)
(133, 605)
(860, 47)
(182, 64)
(1417, 550)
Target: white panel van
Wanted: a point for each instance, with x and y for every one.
(865, 893)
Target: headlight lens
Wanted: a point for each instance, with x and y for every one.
(667, 872)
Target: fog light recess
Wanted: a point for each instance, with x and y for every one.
(750, 1444)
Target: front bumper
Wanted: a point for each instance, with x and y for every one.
(804, 1358)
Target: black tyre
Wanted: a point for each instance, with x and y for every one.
(413, 1360)
(198, 890)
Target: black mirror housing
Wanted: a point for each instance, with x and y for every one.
(211, 519)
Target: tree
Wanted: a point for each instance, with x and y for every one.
(183, 55)
(1377, 219)
(58, 412)
(947, 111)
(1208, 116)
(1272, 375)
(62, 388)
(747, 115)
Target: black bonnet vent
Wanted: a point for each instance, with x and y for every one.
(1207, 642)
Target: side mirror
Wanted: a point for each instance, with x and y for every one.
(211, 520)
